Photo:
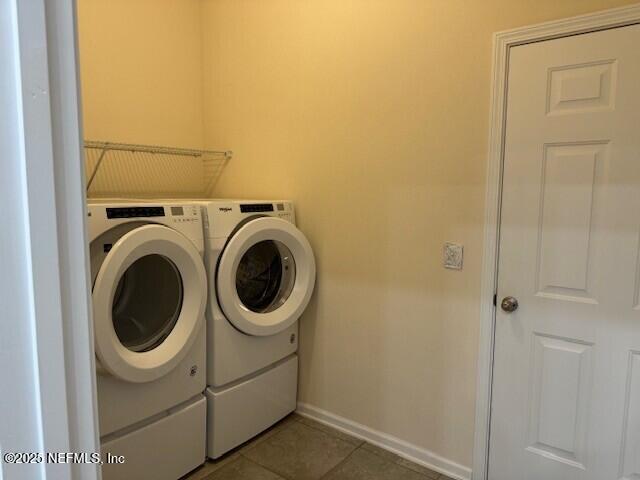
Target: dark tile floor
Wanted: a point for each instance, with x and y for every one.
(298, 448)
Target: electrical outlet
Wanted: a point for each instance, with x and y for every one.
(452, 255)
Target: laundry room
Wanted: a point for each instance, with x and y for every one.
(321, 239)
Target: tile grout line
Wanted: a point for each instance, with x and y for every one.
(213, 473)
(277, 474)
(395, 462)
(297, 420)
(258, 441)
(344, 460)
(330, 429)
(359, 446)
(264, 436)
(330, 434)
(242, 453)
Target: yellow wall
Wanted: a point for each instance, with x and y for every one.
(372, 116)
(141, 76)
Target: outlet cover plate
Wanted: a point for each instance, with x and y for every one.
(453, 255)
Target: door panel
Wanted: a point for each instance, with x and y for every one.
(560, 388)
(583, 88)
(570, 175)
(567, 369)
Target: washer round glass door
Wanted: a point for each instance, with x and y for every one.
(149, 297)
(266, 276)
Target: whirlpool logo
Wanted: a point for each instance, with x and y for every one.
(225, 209)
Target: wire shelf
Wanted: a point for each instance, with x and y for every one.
(122, 169)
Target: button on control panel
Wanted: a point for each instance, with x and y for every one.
(183, 214)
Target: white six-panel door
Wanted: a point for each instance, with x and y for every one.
(566, 384)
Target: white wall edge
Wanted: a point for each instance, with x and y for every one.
(54, 215)
(502, 42)
(393, 444)
(75, 275)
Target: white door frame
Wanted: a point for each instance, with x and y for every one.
(50, 209)
(502, 43)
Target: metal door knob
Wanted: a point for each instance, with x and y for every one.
(509, 304)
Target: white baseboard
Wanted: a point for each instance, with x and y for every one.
(393, 444)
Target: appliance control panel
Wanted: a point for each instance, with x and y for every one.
(135, 212)
(278, 209)
(256, 207)
(182, 213)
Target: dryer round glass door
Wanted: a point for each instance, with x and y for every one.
(147, 302)
(265, 276)
(149, 297)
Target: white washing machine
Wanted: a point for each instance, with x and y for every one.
(261, 276)
(149, 297)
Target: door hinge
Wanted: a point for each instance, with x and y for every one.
(495, 299)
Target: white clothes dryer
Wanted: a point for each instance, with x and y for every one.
(261, 277)
(149, 296)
